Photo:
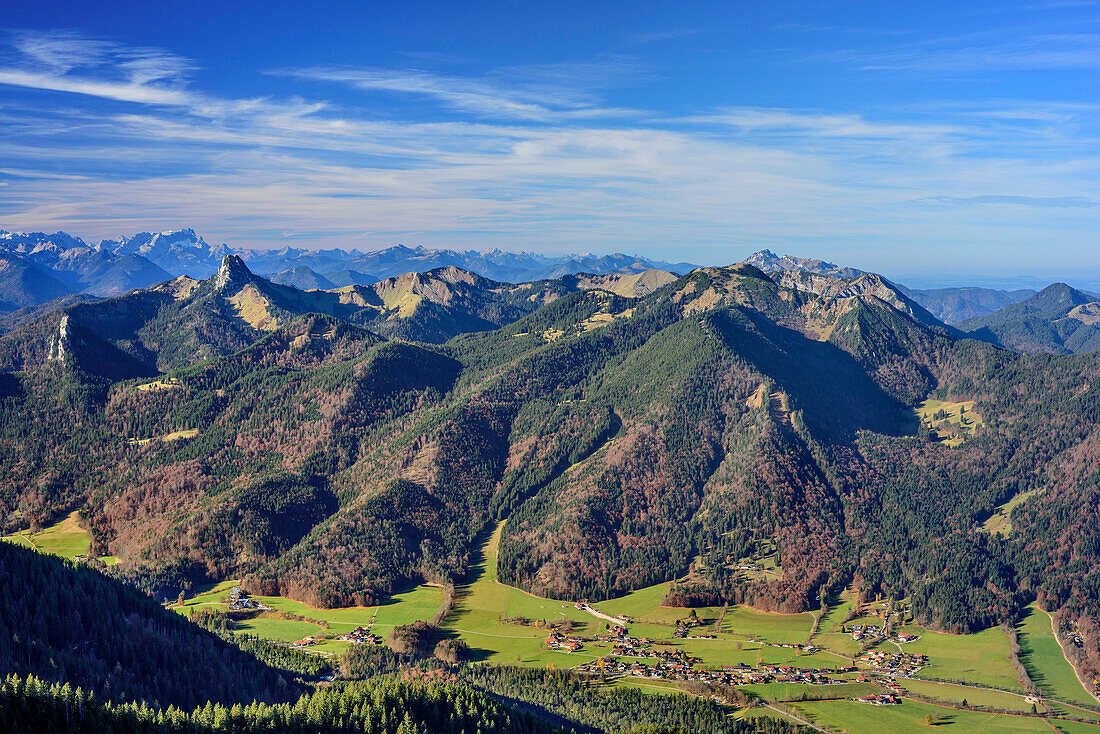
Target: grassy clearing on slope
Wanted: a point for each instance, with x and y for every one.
(340, 620)
(782, 628)
(171, 384)
(482, 603)
(644, 606)
(727, 651)
(805, 692)
(417, 603)
(173, 436)
(955, 423)
(1042, 657)
(273, 628)
(64, 538)
(1000, 522)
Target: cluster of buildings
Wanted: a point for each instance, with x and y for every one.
(904, 637)
(676, 666)
(877, 699)
(865, 631)
(240, 601)
(796, 646)
(306, 642)
(560, 641)
(360, 636)
(893, 664)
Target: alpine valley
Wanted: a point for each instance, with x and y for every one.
(779, 492)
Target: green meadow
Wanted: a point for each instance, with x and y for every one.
(981, 658)
(482, 603)
(280, 630)
(954, 695)
(64, 538)
(805, 692)
(1046, 665)
(909, 716)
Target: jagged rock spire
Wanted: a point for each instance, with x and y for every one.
(232, 270)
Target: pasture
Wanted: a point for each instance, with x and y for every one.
(954, 695)
(1046, 665)
(909, 716)
(273, 628)
(64, 538)
(981, 658)
(1001, 520)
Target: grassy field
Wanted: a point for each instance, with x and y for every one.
(1044, 661)
(954, 695)
(482, 602)
(281, 630)
(804, 692)
(909, 716)
(724, 651)
(173, 436)
(981, 658)
(644, 606)
(838, 642)
(785, 628)
(417, 603)
(64, 538)
(831, 620)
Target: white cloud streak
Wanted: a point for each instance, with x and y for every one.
(538, 163)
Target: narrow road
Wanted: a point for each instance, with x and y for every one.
(601, 615)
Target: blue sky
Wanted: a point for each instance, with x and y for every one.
(933, 140)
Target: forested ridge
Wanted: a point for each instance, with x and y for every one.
(70, 625)
(627, 441)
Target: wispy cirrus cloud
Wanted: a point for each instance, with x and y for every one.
(980, 53)
(1045, 202)
(531, 92)
(769, 120)
(531, 156)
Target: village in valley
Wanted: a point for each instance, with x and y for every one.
(820, 666)
(617, 655)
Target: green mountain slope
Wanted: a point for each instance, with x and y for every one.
(1059, 319)
(185, 321)
(626, 440)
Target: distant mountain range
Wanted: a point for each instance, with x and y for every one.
(40, 271)
(183, 321)
(36, 267)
